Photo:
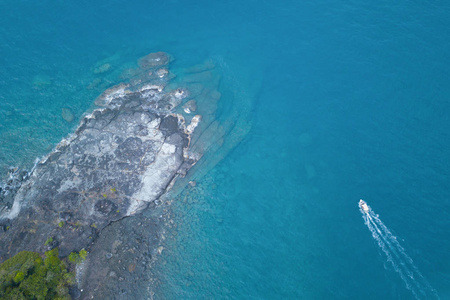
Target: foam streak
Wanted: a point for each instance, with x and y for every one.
(396, 255)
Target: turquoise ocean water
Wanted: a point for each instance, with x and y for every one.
(349, 100)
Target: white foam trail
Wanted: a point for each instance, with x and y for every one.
(386, 248)
(415, 273)
(397, 256)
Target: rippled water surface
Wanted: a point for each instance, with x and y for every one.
(346, 100)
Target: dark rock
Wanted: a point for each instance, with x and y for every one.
(105, 207)
(74, 293)
(169, 125)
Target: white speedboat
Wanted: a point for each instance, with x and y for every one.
(363, 205)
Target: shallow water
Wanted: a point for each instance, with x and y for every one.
(347, 100)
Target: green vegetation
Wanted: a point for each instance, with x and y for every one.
(61, 224)
(28, 276)
(20, 276)
(83, 254)
(77, 258)
(48, 241)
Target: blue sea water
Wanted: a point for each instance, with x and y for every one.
(349, 100)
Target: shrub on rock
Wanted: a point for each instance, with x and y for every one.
(77, 258)
(28, 276)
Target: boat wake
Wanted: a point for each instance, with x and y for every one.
(397, 256)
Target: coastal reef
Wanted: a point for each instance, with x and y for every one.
(123, 157)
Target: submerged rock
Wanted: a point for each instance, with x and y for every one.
(162, 72)
(190, 106)
(154, 60)
(67, 114)
(94, 83)
(41, 81)
(102, 69)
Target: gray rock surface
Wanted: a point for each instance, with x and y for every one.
(119, 264)
(121, 158)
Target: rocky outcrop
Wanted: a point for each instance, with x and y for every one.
(121, 157)
(9, 189)
(92, 191)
